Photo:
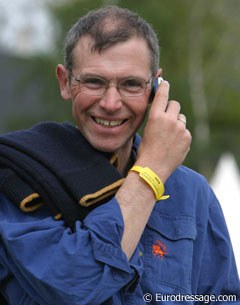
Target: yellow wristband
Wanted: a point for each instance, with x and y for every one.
(152, 180)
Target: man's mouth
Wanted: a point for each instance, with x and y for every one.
(107, 123)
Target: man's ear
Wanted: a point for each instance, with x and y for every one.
(62, 76)
(159, 72)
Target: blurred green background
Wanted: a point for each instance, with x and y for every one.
(200, 57)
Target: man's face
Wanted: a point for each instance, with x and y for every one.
(109, 121)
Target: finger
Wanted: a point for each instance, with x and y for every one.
(182, 118)
(173, 109)
(160, 101)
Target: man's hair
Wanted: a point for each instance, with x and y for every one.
(108, 26)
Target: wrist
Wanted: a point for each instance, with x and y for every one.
(152, 180)
(162, 172)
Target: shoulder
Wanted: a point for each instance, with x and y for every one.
(190, 194)
(8, 209)
(3, 200)
(188, 180)
(9, 212)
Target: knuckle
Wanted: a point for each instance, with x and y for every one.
(175, 104)
(188, 136)
(171, 122)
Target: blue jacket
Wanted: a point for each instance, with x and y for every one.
(184, 255)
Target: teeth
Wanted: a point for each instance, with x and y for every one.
(108, 123)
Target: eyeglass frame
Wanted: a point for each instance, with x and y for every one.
(117, 83)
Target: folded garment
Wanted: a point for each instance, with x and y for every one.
(53, 164)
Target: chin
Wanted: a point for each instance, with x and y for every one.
(105, 148)
(110, 144)
(109, 147)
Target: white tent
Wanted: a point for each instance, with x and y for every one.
(226, 185)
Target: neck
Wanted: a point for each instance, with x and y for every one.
(124, 159)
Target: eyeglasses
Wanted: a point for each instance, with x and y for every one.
(128, 87)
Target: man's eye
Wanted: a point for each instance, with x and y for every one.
(131, 83)
(93, 82)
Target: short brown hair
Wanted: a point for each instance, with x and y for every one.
(108, 26)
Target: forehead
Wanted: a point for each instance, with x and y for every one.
(133, 53)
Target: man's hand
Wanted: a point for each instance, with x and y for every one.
(166, 141)
(164, 146)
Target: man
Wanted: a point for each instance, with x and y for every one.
(136, 244)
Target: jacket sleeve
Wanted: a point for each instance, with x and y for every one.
(217, 274)
(56, 266)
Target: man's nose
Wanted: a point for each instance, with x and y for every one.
(111, 100)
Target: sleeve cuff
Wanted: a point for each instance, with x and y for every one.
(106, 228)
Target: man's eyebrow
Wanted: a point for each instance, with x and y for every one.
(92, 74)
(89, 74)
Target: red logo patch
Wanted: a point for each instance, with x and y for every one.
(159, 249)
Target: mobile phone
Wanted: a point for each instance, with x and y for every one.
(157, 82)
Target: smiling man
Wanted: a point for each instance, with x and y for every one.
(91, 214)
(108, 116)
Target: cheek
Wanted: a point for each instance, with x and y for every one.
(143, 115)
(75, 91)
(140, 112)
(74, 111)
(78, 107)
(147, 95)
(140, 107)
(80, 101)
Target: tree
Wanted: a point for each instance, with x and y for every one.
(199, 56)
